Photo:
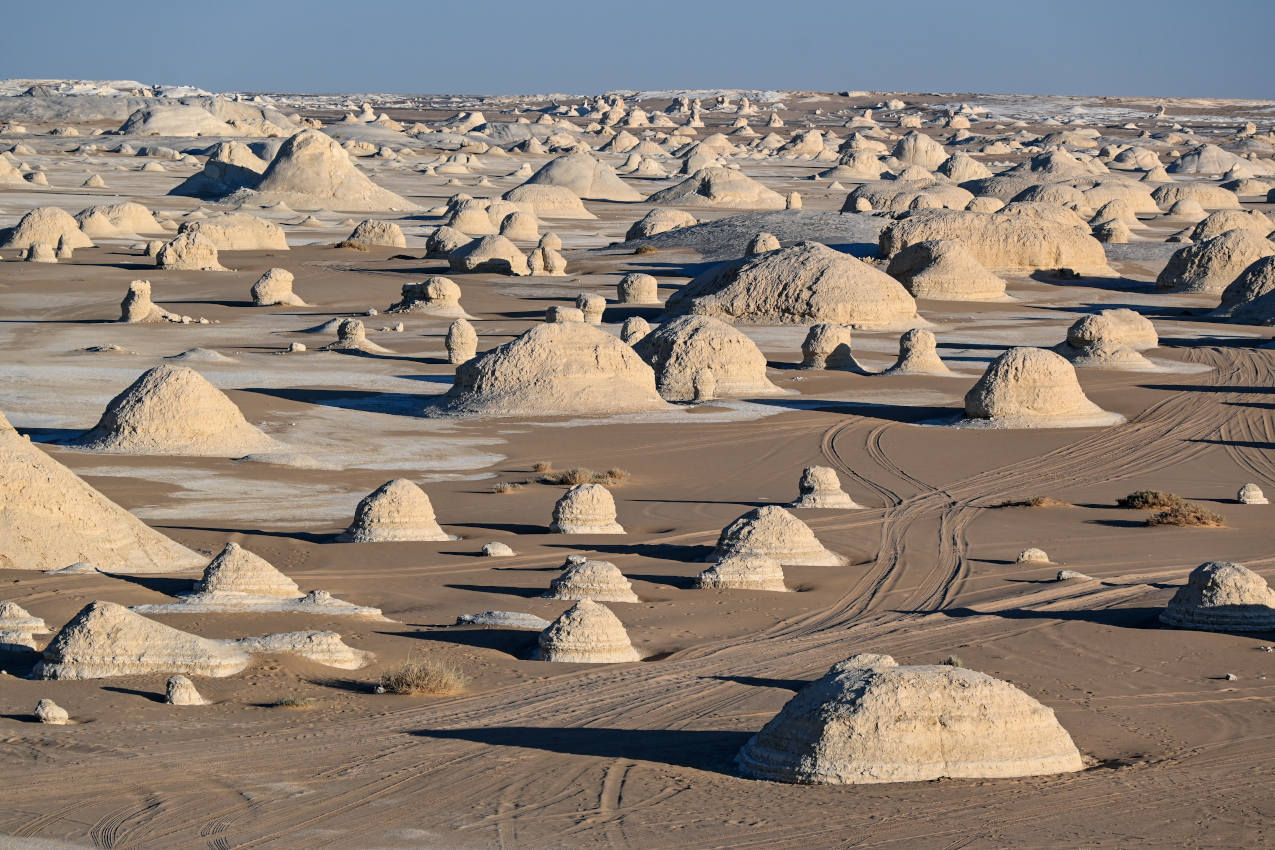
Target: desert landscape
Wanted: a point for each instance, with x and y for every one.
(667, 468)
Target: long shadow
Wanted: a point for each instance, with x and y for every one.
(869, 410)
(17, 660)
(1117, 523)
(677, 582)
(705, 502)
(353, 686)
(1111, 284)
(53, 436)
(512, 527)
(1128, 618)
(759, 682)
(514, 642)
(303, 536)
(150, 695)
(1208, 388)
(507, 590)
(161, 584)
(663, 551)
(1247, 444)
(398, 404)
(709, 750)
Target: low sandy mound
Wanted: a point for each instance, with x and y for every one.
(175, 119)
(46, 226)
(820, 487)
(493, 254)
(682, 347)
(373, 232)
(434, 296)
(239, 232)
(721, 188)
(1212, 265)
(1110, 339)
(805, 283)
(138, 308)
(585, 509)
(551, 369)
(1001, 241)
(548, 201)
(918, 355)
(600, 581)
(173, 410)
(312, 170)
(106, 640)
(397, 511)
(869, 720)
(1248, 298)
(945, 270)
(1032, 388)
(189, 252)
(273, 288)
(660, 220)
(1222, 597)
(586, 176)
(351, 335)
(119, 220)
(772, 531)
(743, 572)
(230, 166)
(587, 633)
(828, 346)
(51, 518)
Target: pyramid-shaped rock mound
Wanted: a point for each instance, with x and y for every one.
(231, 166)
(173, 410)
(679, 349)
(722, 188)
(743, 572)
(803, 284)
(587, 633)
(553, 369)
(1224, 597)
(772, 531)
(312, 170)
(881, 722)
(585, 509)
(1032, 388)
(238, 571)
(586, 176)
(52, 518)
(397, 511)
(944, 269)
(600, 581)
(820, 487)
(106, 639)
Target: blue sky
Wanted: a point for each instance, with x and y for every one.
(1205, 48)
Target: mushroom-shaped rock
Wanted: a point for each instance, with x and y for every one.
(945, 270)
(869, 720)
(772, 531)
(1249, 494)
(680, 348)
(743, 571)
(48, 711)
(494, 254)
(592, 306)
(275, 287)
(461, 342)
(173, 410)
(600, 581)
(638, 288)
(351, 335)
(180, 690)
(434, 296)
(587, 633)
(1210, 266)
(397, 511)
(804, 283)
(827, 346)
(1223, 597)
(585, 509)
(918, 355)
(1032, 388)
(820, 487)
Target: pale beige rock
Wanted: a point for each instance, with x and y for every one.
(720, 188)
(397, 511)
(587, 633)
(585, 509)
(1249, 494)
(275, 287)
(48, 711)
(1212, 265)
(558, 314)
(743, 572)
(173, 410)
(638, 288)
(820, 487)
(1248, 298)
(545, 261)
(586, 177)
(180, 690)
(1033, 556)
(496, 549)
(137, 306)
(1217, 223)
(118, 220)
(41, 252)
(351, 335)
(918, 355)
(322, 647)
(1223, 597)
(592, 306)
(944, 269)
(633, 329)
(804, 283)
(907, 194)
(660, 220)
(681, 347)
(827, 346)
(772, 531)
(461, 341)
(869, 720)
(600, 581)
(443, 241)
(47, 225)
(189, 252)
(238, 232)
(919, 149)
(1110, 339)
(546, 201)
(520, 226)
(1207, 195)
(374, 232)
(236, 570)
(760, 244)
(494, 254)
(1032, 388)
(434, 296)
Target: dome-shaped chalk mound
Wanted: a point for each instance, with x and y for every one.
(802, 284)
(1111, 339)
(880, 722)
(173, 410)
(397, 511)
(722, 188)
(828, 346)
(944, 269)
(680, 348)
(1248, 298)
(179, 690)
(554, 368)
(586, 176)
(1032, 388)
(772, 531)
(275, 287)
(585, 509)
(743, 572)
(1212, 265)
(52, 518)
(918, 355)
(820, 487)
(600, 581)
(587, 633)
(1224, 597)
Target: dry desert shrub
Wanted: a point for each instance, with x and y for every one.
(1149, 500)
(507, 487)
(426, 676)
(1185, 513)
(542, 466)
(646, 249)
(351, 245)
(1035, 502)
(293, 703)
(952, 661)
(584, 475)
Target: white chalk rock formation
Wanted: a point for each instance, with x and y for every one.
(189, 252)
(494, 254)
(585, 509)
(827, 346)
(461, 342)
(660, 220)
(1110, 339)
(45, 225)
(230, 166)
(633, 329)
(397, 511)
(720, 188)
(18, 627)
(275, 287)
(434, 296)
(1032, 388)
(638, 288)
(180, 690)
(1212, 265)
(600, 581)
(820, 487)
(743, 572)
(48, 711)
(116, 220)
(1032, 555)
(238, 232)
(943, 269)
(772, 531)
(351, 335)
(173, 410)
(587, 633)
(586, 176)
(137, 307)
(918, 355)
(1222, 597)
(548, 201)
(376, 233)
(1249, 494)
(869, 720)
(680, 348)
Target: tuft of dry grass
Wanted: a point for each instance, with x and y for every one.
(507, 487)
(294, 703)
(646, 249)
(1035, 502)
(542, 466)
(1186, 514)
(426, 676)
(952, 661)
(584, 475)
(1147, 500)
(351, 244)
